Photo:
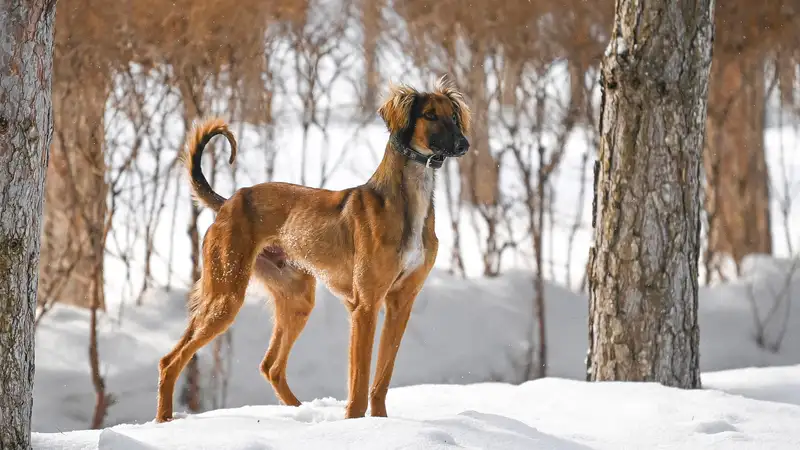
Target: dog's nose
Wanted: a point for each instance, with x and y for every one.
(462, 145)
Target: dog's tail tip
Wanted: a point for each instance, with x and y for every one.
(202, 132)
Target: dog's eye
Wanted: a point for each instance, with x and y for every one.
(455, 117)
(429, 116)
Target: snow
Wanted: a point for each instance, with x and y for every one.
(772, 384)
(618, 45)
(549, 413)
(456, 382)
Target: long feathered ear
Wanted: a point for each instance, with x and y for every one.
(445, 86)
(396, 110)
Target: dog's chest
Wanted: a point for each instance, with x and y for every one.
(420, 195)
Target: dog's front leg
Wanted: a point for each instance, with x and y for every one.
(398, 306)
(362, 335)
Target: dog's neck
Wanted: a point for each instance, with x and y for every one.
(412, 184)
(397, 175)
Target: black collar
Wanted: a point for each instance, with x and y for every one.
(433, 161)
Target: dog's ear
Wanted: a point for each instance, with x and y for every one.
(396, 109)
(445, 86)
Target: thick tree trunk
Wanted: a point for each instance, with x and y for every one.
(737, 185)
(643, 270)
(76, 191)
(26, 124)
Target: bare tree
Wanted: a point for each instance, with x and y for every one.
(537, 162)
(26, 124)
(779, 302)
(643, 271)
(454, 203)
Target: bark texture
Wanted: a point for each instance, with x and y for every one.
(643, 268)
(737, 184)
(26, 123)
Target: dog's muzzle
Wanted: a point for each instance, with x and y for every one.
(461, 147)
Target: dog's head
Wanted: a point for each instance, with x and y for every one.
(432, 123)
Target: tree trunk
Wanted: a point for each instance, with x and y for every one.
(643, 270)
(538, 282)
(76, 191)
(371, 22)
(26, 124)
(454, 206)
(737, 186)
(577, 89)
(103, 400)
(479, 172)
(511, 79)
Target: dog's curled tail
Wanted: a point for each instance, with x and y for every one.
(192, 156)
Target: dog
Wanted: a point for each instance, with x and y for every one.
(372, 245)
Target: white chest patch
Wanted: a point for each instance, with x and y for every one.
(421, 184)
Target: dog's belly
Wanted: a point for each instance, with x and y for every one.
(337, 280)
(321, 247)
(339, 285)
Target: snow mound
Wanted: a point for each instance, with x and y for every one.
(461, 332)
(550, 413)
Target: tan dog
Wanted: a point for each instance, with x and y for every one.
(371, 245)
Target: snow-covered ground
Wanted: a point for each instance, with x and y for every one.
(461, 332)
(740, 409)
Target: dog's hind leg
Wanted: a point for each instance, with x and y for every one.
(203, 327)
(218, 296)
(293, 300)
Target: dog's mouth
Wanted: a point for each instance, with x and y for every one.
(437, 151)
(460, 151)
(455, 152)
